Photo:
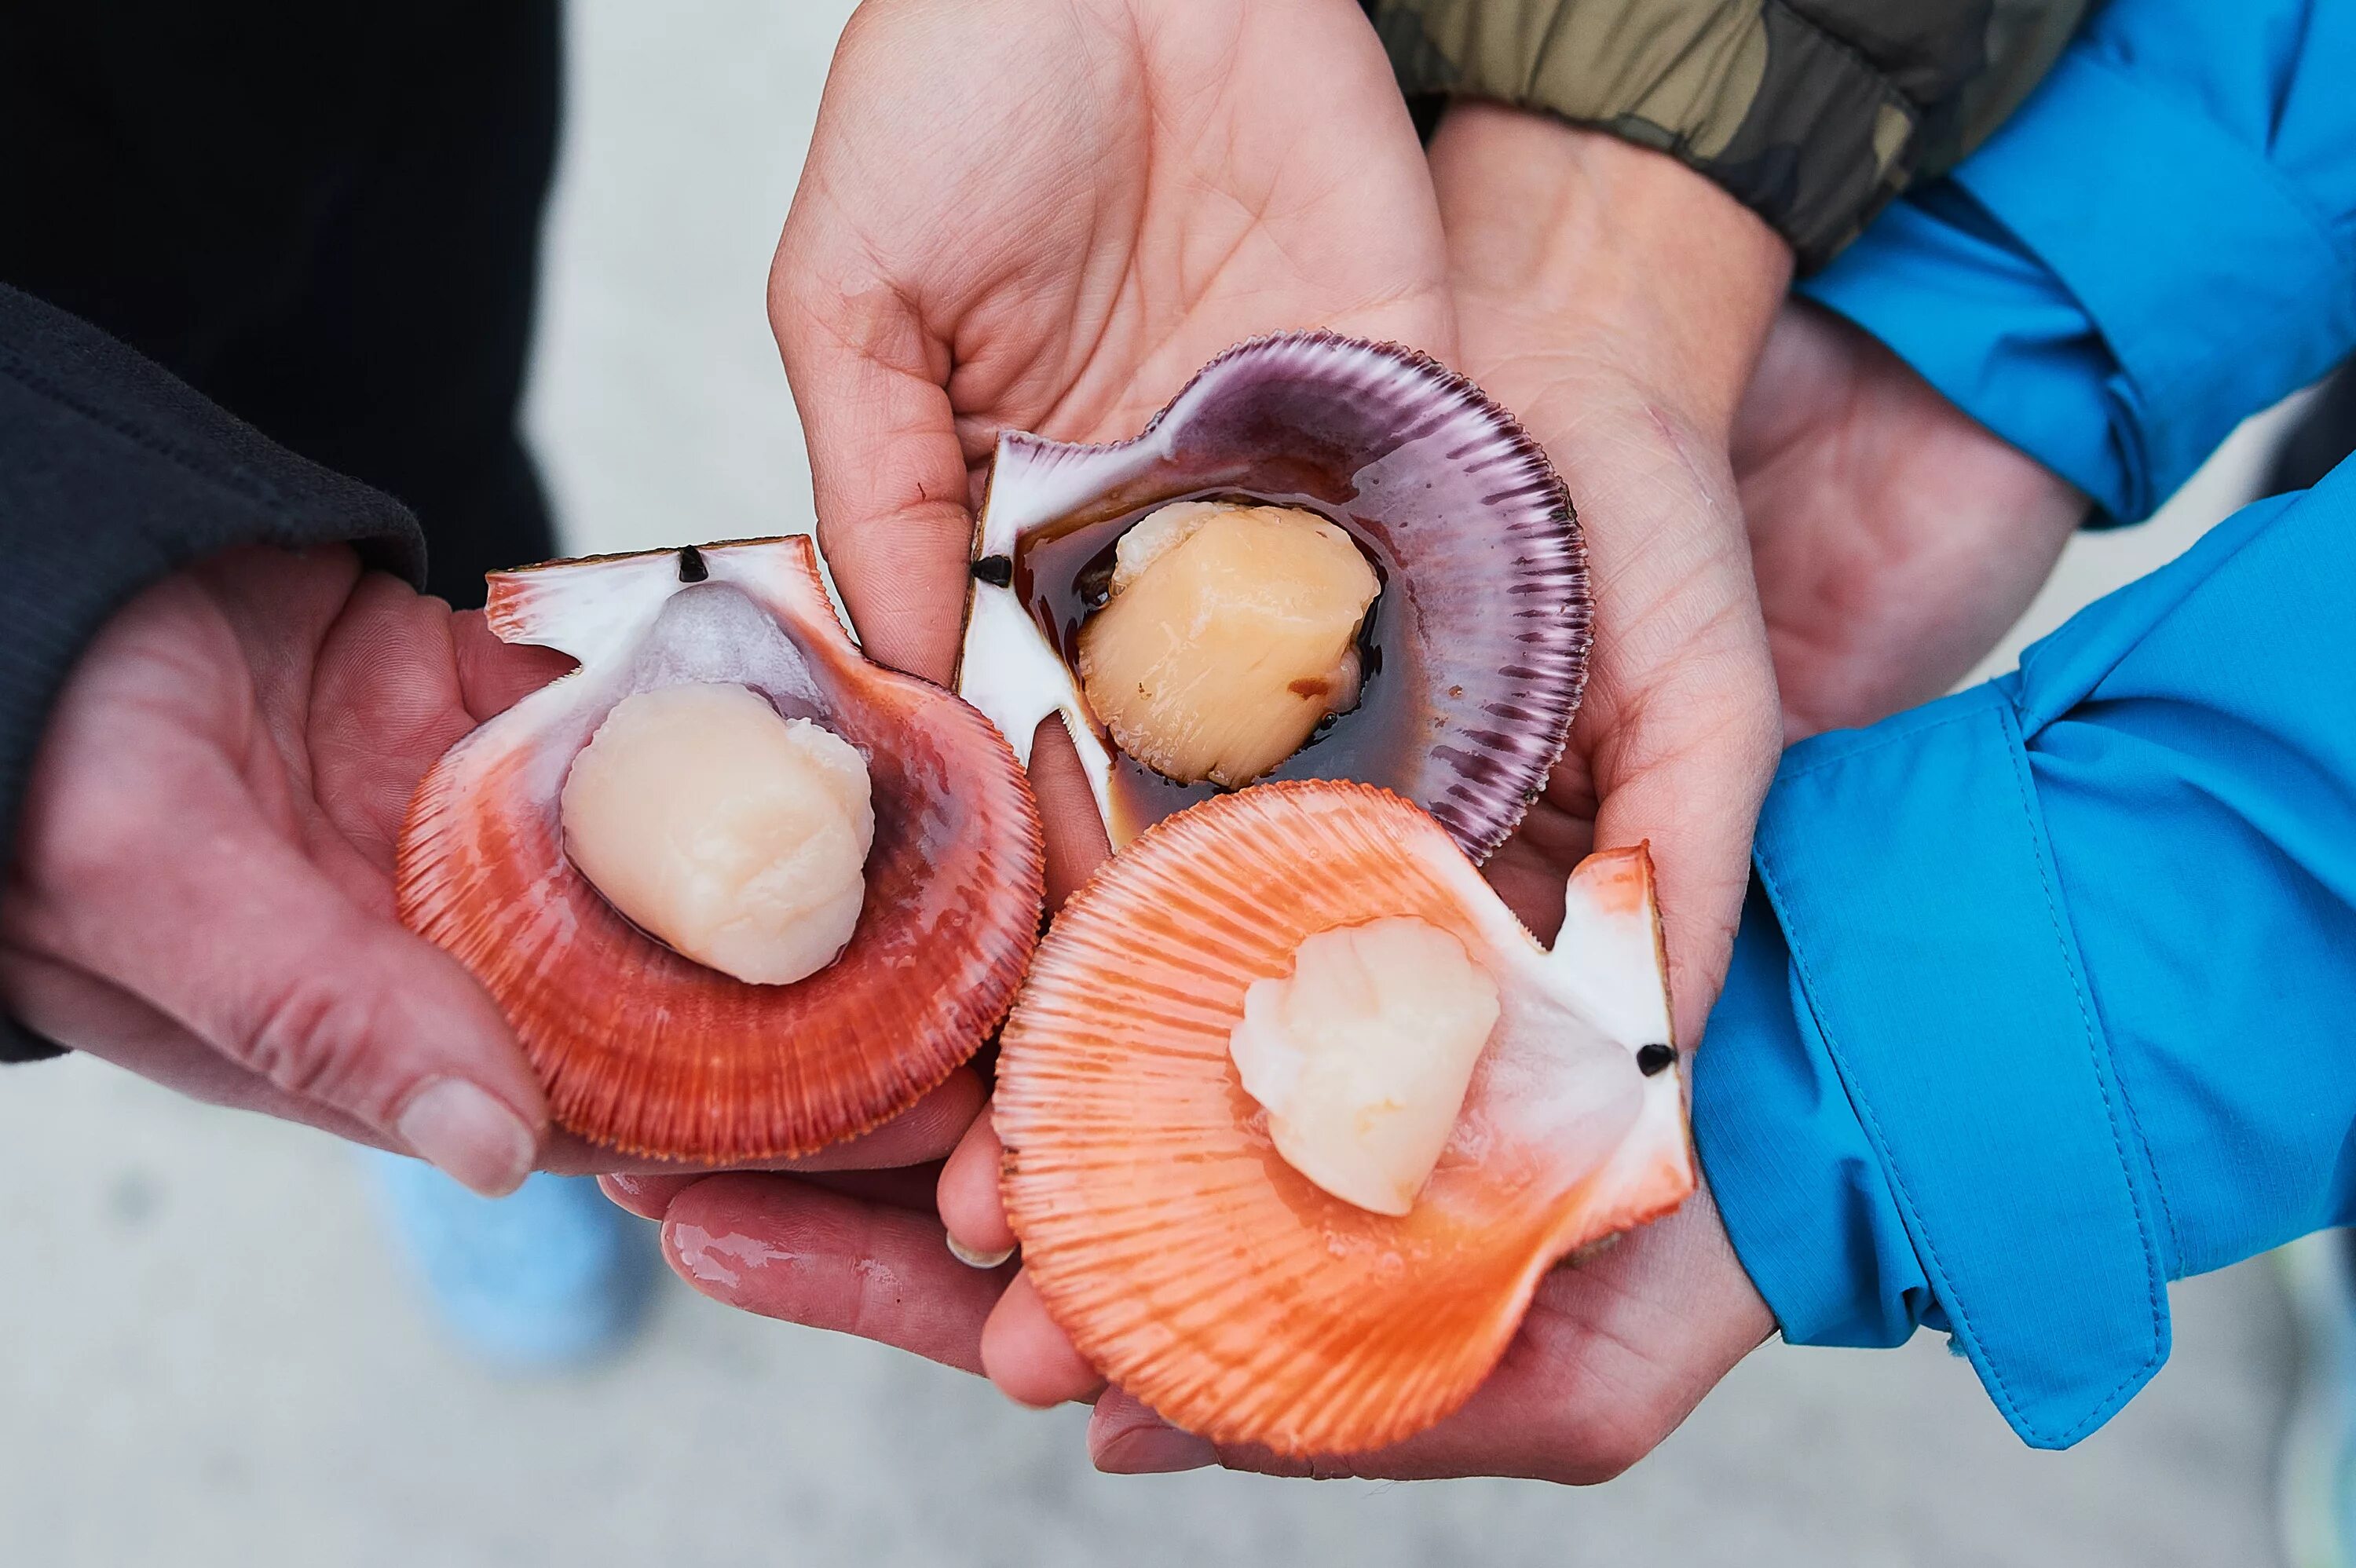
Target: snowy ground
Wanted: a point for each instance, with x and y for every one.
(211, 1358)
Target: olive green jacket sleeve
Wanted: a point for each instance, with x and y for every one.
(1812, 112)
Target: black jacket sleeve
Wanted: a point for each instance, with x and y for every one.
(112, 474)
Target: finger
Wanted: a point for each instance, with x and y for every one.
(911, 1187)
(1528, 869)
(1126, 1439)
(1031, 1360)
(1691, 789)
(648, 1197)
(1076, 840)
(102, 1021)
(927, 1130)
(887, 468)
(161, 876)
(1682, 727)
(970, 1205)
(494, 675)
(780, 1247)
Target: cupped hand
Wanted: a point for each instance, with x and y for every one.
(1046, 218)
(1625, 349)
(1615, 301)
(1896, 538)
(1612, 1355)
(202, 884)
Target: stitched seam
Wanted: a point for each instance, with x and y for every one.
(2158, 1191)
(241, 484)
(2153, 1286)
(2025, 786)
(2005, 1400)
(1899, 1183)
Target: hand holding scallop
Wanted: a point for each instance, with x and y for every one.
(1195, 579)
(1180, 1221)
(741, 892)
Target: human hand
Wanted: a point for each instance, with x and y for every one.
(1047, 217)
(1678, 748)
(1896, 538)
(1612, 1354)
(1615, 301)
(202, 889)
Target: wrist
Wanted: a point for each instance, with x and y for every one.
(1577, 231)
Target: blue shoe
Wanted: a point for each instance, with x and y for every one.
(548, 1278)
(2317, 1488)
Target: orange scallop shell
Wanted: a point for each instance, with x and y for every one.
(1186, 1259)
(649, 1051)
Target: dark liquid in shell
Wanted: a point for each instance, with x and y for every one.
(1063, 574)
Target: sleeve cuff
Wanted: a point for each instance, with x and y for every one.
(2115, 323)
(1785, 109)
(1905, 1105)
(114, 474)
(1942, 285)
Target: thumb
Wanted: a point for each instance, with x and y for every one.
(870, 383)
(890, 484)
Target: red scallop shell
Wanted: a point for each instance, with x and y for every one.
(649, 1051)
(1186, 1259)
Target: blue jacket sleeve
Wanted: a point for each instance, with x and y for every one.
(2043, 1000)
(2161, 242)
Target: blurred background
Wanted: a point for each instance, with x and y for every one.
(213, 1357)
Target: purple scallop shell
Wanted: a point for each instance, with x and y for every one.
(1482, 630)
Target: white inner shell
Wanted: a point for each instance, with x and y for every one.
(1362, 1055)
(737, 835)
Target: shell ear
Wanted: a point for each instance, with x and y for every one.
(580, 607)
(588, 607)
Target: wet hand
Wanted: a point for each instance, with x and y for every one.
(1612, 1356)
(1615, 301)
(1677, 747)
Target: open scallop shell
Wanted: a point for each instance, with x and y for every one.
(1191, 1264)
(1478, 642)
(649, 1051)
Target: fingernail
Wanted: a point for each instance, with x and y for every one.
(1153, 1450)
(972, 1259)
(470, 1135)
(629, 1194)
